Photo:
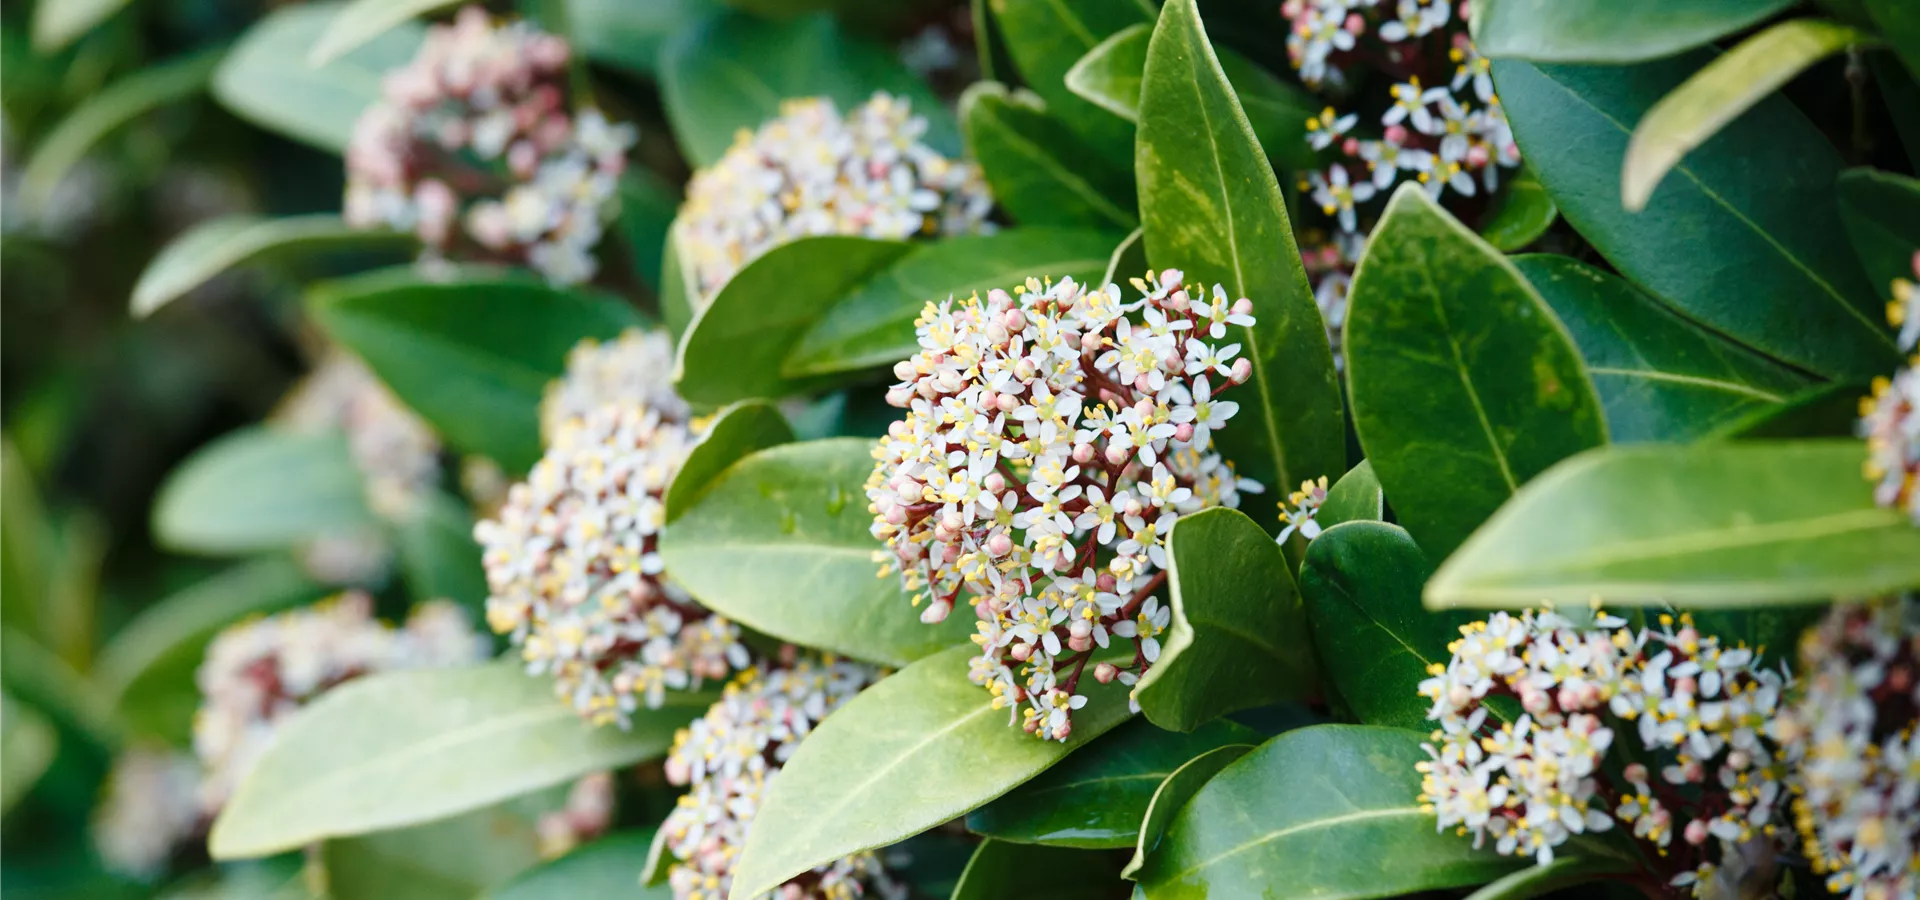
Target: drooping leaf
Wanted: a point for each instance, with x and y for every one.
(1608, 31)
(1519, 214)
(360, 21)
(217, 245)
(1211, 207)
(1046, 37)
(27, 746)
(96, 117)
(1173, 793)
(1001, 869)
(1720, 524)
(1464, 384)
(780, 543)
(57, 23)
(1095, 800)
(1659, 376)
(438, 556)
(1767, 262)
(602, 870)
(259, 489)
(1881, 211)
(632, 35)
(267, 78)
(1238, 636)
(1355, 497)
(1040, 172)
(921, 747)
(738, 431)
(1826, 410)
(456, 858)
(1900, 23)
(873, 325)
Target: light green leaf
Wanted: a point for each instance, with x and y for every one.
(1464, 384)
(1881, 211)
(34, 675)
(105, 112)
(1899, 21)
(438, 555)
(922, 747)
(1519, 214)
(1355, 497)
(1040, 172)
(1172, 794)
(216, 245)
(1902, 100)
(1210, 206)
(26, 545)
(360, 21)
(1723, 524)
(779, 542)
(1046, 37)
(1001, 869)
(56, 23)
(451, 859)
(677, 293)
(268, 80)
(1345, 797)
(1238, 637)
(632, 35)
(27, 746)
(400, 748)
(1608, 31)
(259, 489)
(602, 870)
(738, 431)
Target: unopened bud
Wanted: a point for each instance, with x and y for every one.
(1021, 651)
(1117, 454)
(1183, 432)
(1242, 370)
(1697, 832)
(1105, 672)
(936, 612)
(1083, 453)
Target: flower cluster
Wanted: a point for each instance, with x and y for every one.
(575, 574)
(1052, 438)
(728, 757)
(258, 672)
(635, 368)
(394, 449)
(813, 172)
(1301, 507)
(1701, 712)
(1890, 419)
(472, 147)
(149, 811)
(1857, 797)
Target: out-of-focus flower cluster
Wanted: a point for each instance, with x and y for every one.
(586, 815)
(258, 672)
(728, 757)
(1301, 508)
(1856, 799)
(1702, 715)
(149, 811)
(394, 449)
(813, 172)
(474, 149)
(1890, 419)
(637, 367)
(1052, 438)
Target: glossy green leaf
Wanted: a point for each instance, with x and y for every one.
(1564, 872)
(1767, 263)
(57, 23)
(1519, 214)
(1881, 211)
(1345, 797)
(1899, 21)
(260, 489)
(1901, 97)
(438, 555)
(1722, 524)
(873, 325)
(1046, 37)
(1039, 171)
(399, 748)
(1355, 497)
(472, 355)
(1608, 31)
(1210, 206)
(780, 543)
(632, 35)
(27, 746)
(1464, 384)
(676, 291)
(217, 245)
(1095, 800)
(602, 870)
(268, 80)
(922, 747)
(101, 114)
(732, 71)
(1238, 637)
(457, 858)
(647, 207)
(1659, 376)
(738, 431)
(360, 21)
(733, 349)
(1827, 410)
(1172, 794)
(1001, 869)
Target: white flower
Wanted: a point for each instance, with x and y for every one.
(1336, 195)
(1305, 504)
(637, 367)
(1324, 129)
(393, 448)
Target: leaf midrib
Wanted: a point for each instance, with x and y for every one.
(1728, 538)
(1071, 181)
(1315, 824)
(1694, 380)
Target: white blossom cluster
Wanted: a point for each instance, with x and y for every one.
(729, 756)
(575, 575)
(1857, 794)
(258, 672)
(1890, 419)
(394, 449)
(1701, 712)
(813, 172)
(637, 367)
(149, 810)
(1052, 438)
(474, 149)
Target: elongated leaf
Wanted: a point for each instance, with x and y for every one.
(1726, 524)
(873, 325)
(647, 207)
(34, 675)
(56, 23)
(1767, 262)
(1095, 800)
(1900, 23)
(1827, 410)
(1173, 793)
(450, 859)
(738, 431)
(438, 555)
(1344, 796)
(257, 489)
(1659, 376)
(1129, 256)
(602, 870)
(217, 245)
(676, 292)
(1046, 37)
(25, 545)
(779, 543)
(360, 21)
(1355, 497)
(27, 746)
(1519, 214)
(1238, 637)
(1881, 211)
(1901, 96)
(472, 355)
(1565, 871)
(1608, 31)
(1464, 384)
(399, 748)
(1039, 171)
(632, 35)
(100, 115)
(1001, 869)
(1210, 206)
(268, 80)
(921, 747)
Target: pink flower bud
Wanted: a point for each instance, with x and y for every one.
(1350, 146)
(1184, 432)
(936, 612)
(996, 482)
(1080, 644)
(903, 370)
(1000, 544)
(1105, 582)
(1090, 342)
(1083, 453)
(1697, 832)
(1636, 773)
(1007, 402)
(1105, 673)
(1396, 134)
(1242, 370)
(1014, 320)
(1355, 24)
(999, 299)
(1080, 628)
(899, 397)
(1065, 729)
(1021, 651)
(1244, 307)
(1477, 156)
(1117, 454)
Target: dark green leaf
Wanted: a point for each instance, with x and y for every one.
(632, 35)
(1828, 410)
(217, 245)
(1902, 99)
(101, 114)
(1046, 37)
(1608, 31)
(1000, 869)
(602, 870)
(1173, 793)
(1355, 497)
(1564, 872)
(25, 545)
(1882, 213)
(1039, 171)
(1519, 214)
(1899, 21)
(268, 80)
(451, 859)
(647, 207)
(438, 555)
(258, 489)
(738, 431)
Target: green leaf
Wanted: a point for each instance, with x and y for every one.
(1001, 869)
(105, 112)
(451, 859)
(360, 21)
(1172, 794)
(260, 489)
(732, 71)
(1767, 264)
(1520, 214)
(602, 870)
(217, 245)
(922, 747)
(1719, 93)
(779, 542)
(1659, 376)
(27, 746)
(1355, 497)
(1095, 800)
(738, 431)
(1827, 410)
(268, 80)
(56, 23)
(1902, 99)
(1464, 384)
(1039, 171)
(26, 543)
(36, 676)
(1128, 257)
(400, 748)
(1046, 37)
(1210, 206)
(734, 347)
(438, 555)
(1238, 637)
(1608, 31)
(647, 208)
(1722, 524)
(632, 35)
(472, 355)
(874, 324)
(1899, 21)
(1881, 211)
(1345, 797)
(676, 293)
(1565, 871)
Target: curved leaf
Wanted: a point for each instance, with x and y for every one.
(1355, 497)
(1173, 793)
(57, 23)
(1608, 31)
(1001, 869)
(1827, 410)
(216, 245)
(259, 489)
(1900, 22)
(1040, 173)
(101, 114)
(1046, 37)
(438, 555)
(738, 431)
(268, 81)
(1564, 872)
(632, 35)
(602, 870)
(451, 859)
(1520, 214)
(1881, 211)
(27, 746)
(360, 21)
